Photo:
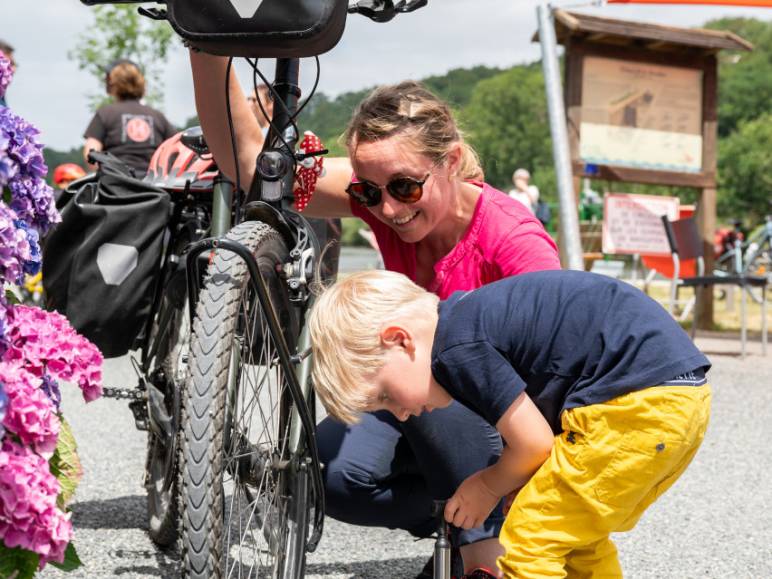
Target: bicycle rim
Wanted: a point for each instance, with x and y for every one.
(243, 493)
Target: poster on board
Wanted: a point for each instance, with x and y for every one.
(632, 223)
(641, 115)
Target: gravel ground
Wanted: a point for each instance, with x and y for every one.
(715, 522)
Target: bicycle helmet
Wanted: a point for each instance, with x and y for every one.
(173, 165)
(67, 172)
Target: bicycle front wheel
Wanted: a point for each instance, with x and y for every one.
(244, 493)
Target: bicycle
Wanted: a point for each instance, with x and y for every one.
(750, 257)
(251, 497)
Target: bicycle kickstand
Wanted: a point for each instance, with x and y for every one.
(442, 544)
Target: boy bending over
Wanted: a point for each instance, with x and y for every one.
(600, 396)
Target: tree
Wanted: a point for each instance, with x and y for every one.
(121, 32)
(745, 170)
(745, 78)
(507, 122)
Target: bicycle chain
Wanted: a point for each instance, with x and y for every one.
(123, 393)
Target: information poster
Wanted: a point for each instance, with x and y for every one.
(641, 115)
(633, 223)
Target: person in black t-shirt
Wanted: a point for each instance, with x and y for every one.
(126, 128)
(601, 397)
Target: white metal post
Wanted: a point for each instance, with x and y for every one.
(569, 219)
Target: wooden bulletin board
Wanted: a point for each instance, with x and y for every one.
(641, 117)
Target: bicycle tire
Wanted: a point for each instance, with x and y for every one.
(221, 452)
(161, 458)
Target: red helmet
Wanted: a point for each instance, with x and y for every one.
(173, 165)
(67, 172)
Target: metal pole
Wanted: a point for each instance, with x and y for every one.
(569, 220)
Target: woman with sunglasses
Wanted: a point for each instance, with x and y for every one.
(419, 187)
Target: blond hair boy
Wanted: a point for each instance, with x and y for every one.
(600, 396)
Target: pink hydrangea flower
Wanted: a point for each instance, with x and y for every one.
(45, 343)
(29, 517)
(30, 415)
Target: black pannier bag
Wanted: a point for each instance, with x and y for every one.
(100, 264)
(259, 28)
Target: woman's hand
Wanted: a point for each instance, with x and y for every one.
(471, 504)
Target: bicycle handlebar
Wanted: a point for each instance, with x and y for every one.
(98, 2)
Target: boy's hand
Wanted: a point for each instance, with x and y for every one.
(508, 501)
(471, 504)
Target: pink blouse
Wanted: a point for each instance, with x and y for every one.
(503, 239)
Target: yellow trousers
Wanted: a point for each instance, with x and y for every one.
(611, 462)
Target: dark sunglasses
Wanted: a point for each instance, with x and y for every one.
(403, 189)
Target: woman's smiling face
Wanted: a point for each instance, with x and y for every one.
(381, 161)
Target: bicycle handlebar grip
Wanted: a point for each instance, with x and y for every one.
(442, 544)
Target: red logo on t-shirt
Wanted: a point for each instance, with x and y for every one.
(138, 129)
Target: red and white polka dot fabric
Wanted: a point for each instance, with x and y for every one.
(309, 170)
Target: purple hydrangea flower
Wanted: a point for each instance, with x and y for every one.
(15, 248)
(33, 201)
(32, 265)
(51, 388)
(3, 406)
(23, 170)
(6, 73)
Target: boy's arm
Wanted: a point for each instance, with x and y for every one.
(529, 441)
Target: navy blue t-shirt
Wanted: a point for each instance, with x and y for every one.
(567, 338)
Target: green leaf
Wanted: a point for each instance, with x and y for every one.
(71, 560)
(65, 465)
(12, 295)
(17, 563)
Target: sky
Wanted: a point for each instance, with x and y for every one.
(50, 91)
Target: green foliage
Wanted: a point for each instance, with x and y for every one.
(329, 118)
(17, 563)
(65, 465)
(456, 87)
(507, 123)
(745, 170)
(71, 560)
(121, 32)
(745, 78)
(54, 158)
(350, 234)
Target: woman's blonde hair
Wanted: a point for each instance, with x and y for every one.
(125, 81)
(411, 110)
(345, 326)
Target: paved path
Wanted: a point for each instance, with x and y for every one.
(716, 522)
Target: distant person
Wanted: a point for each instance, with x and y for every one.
(523, 192)
(126, 128)
(65, 174)
(7, 51)
(262, 96)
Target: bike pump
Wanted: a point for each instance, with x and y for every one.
(442, 544)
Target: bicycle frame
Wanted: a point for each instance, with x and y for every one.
(268, 201)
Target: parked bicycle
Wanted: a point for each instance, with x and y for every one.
(751, 256)
(250, 486)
